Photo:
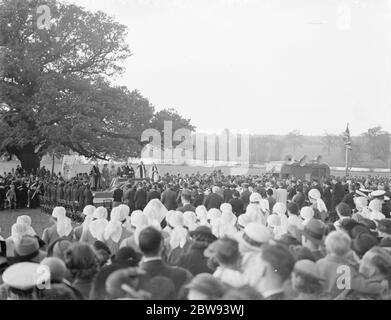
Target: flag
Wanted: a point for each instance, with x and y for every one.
(348, 140)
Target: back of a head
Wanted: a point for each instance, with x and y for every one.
(344, 210)
(293, 208)
(280, 259)
(338, 243)
(150, 241)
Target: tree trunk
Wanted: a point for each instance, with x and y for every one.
(28, 158)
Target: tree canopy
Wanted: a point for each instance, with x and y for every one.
(55, 89)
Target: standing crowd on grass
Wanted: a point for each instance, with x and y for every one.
(211, 237)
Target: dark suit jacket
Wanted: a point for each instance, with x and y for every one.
(198, 200)
(245, 197)
(140, 199)
(169, 199)
(159, 268)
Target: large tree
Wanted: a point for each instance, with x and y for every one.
(294, 139)
(55, 93)
(378, 143)
(329, 142)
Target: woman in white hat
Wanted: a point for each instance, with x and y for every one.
(62, 227)
(88, 213)
(317, 204)
(179, 240)
(202, 216)
(280, 210)
(27, 220)
(18, 230)
(115, 232)
(137, 222)
(96, 227)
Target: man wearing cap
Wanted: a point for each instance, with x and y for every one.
(313, 236)
(378, 199)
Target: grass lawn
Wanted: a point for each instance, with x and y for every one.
(40, 221)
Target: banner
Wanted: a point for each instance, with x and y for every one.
(68, 167)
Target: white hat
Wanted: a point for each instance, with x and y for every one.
(201, 212)
(190, 220)
(100, 213)
(138, 219)
(124, 211)
(254, 236)
(97, 228)
(89, 210)
(255, 197)
(244, 220)
(379, 194)
(177, 219)
(64, 227)
(18, 230)
(214, 214)
(279, 208)
(26, 220)
(274, 220)
(314, 194)
(226, 207)
(22, 276)
(155, 211)
(307, 213)
(59, 213)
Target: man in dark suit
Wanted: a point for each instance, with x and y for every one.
(198, 198)
(245, 196)
(237, 204)
(152, 247)
(140, 198)
(338, 193)
(349, 198)
(153, 193)
(128, 197)
(228, 193)
(213, 201)
(168, 198)
(186, 199)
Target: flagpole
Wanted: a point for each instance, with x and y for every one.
(347, 160)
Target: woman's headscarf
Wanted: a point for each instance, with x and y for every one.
(316, 196)
(113, 229)
(64, 227)
(179, 234)
(307, 213)
(124, 211)
(98, 226)
(202, 216)
(88, 211)
(27, 220)
(59, 212)
(18, 230)
(190, 220)
(280, 209)
(155, 212)
(255, 214)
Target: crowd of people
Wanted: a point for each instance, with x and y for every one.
(211, 237)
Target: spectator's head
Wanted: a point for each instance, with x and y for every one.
(306, 278)
(205, 286)
(272, 268)
(338, 243)
(343, 210)
(293, 208)
(126, 256)
(82, 261)
(57, 269)
(363, 242)
(151, 242)
(376, 261)
(313, 234)
(269, 192)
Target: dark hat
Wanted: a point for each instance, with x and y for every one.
(127, 256)
(363, 242)
(314, 230)
(384, 226)
(204, 231)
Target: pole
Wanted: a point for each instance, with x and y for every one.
(347, 160)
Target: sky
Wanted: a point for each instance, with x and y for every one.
(261, 66)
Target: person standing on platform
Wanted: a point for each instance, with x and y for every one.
(155, 173)
(141, 171)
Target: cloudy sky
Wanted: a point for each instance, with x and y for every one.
(262, 66)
